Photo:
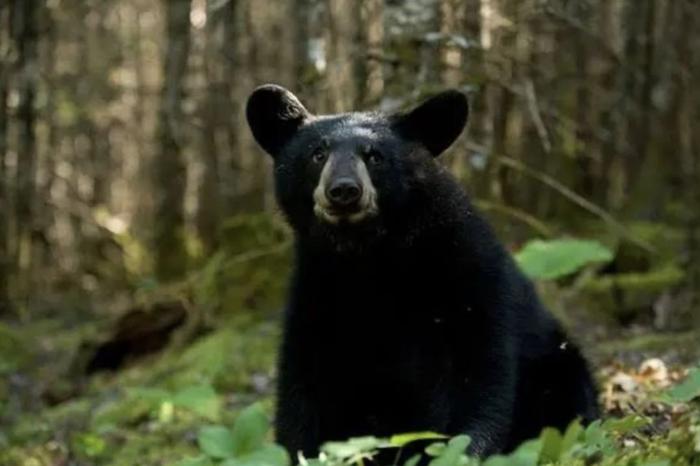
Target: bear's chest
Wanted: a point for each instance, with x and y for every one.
(380, 335)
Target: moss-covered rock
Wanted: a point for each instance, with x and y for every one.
(250, 269)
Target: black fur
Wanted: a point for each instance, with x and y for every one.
(416, 319)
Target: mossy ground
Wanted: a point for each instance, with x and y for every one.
(148, 411)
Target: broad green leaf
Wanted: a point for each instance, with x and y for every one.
(353, 447)
(403, 439)
(571, 437)
(596, 439)
(624, 425)
(498, 460)
(525, 455)
(195, 461)
(551, 445)
(249, 430)
(454, 452)
(200, 399)
(216, 442)
(311, 462)
(267, 455)
(435, 449)
(413, 460)
(548, 260)
(686, 391)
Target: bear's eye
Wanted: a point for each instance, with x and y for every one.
(319, 156)
(374, 157)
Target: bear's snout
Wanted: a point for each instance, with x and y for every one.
(344, 193)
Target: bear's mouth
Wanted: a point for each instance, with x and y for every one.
(336, 216)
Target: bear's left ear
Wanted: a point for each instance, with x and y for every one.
(274, 114)
(437, 122)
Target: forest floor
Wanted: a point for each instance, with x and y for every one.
(148, 412)
(139, 384)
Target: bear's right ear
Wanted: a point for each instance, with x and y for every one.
(274, 114)
(437, 122)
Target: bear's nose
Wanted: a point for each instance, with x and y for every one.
(344, 192)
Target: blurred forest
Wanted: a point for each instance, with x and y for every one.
(140, 244)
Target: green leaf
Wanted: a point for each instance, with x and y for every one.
(267, 455)
(216, 442)
(548, 260)
(195, 461)
(413, 460)
(435, 449)
(353, 447)
(454, 452)
(596, 440)
(401, 440)
(89, 444)
(525, 455)
(200, 399)
(624, 425)
(249, 430)
(571, 437)
(687, 391)
(551, 445)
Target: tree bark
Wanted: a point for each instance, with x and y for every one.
(234, 125)
(341, 72)
(373, 37)
(208, 200)
(170, 171)
(4, 201)
(24, 30)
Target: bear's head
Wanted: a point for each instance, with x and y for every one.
(348, 173)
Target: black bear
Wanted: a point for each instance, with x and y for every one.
(405, 313)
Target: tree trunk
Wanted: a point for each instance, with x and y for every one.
(605, 70)
(25, 36)
(234, 125)
(501, 101)
(451, 24)
(373, 37)
(638, 81)
(341, 72)
(170, 171)
(685, 142)
(585, 179)
(4, 201)
(208, 197)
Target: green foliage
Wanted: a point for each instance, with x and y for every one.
(243, 445)
(352, 451)
(89, 445)
(249, 269)
(216, 442)
(599, 443)
(173, 404)
(12, 350)
(686, 391)
(401, 440)
(549, 260)
(200, 400)
(453, 454)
